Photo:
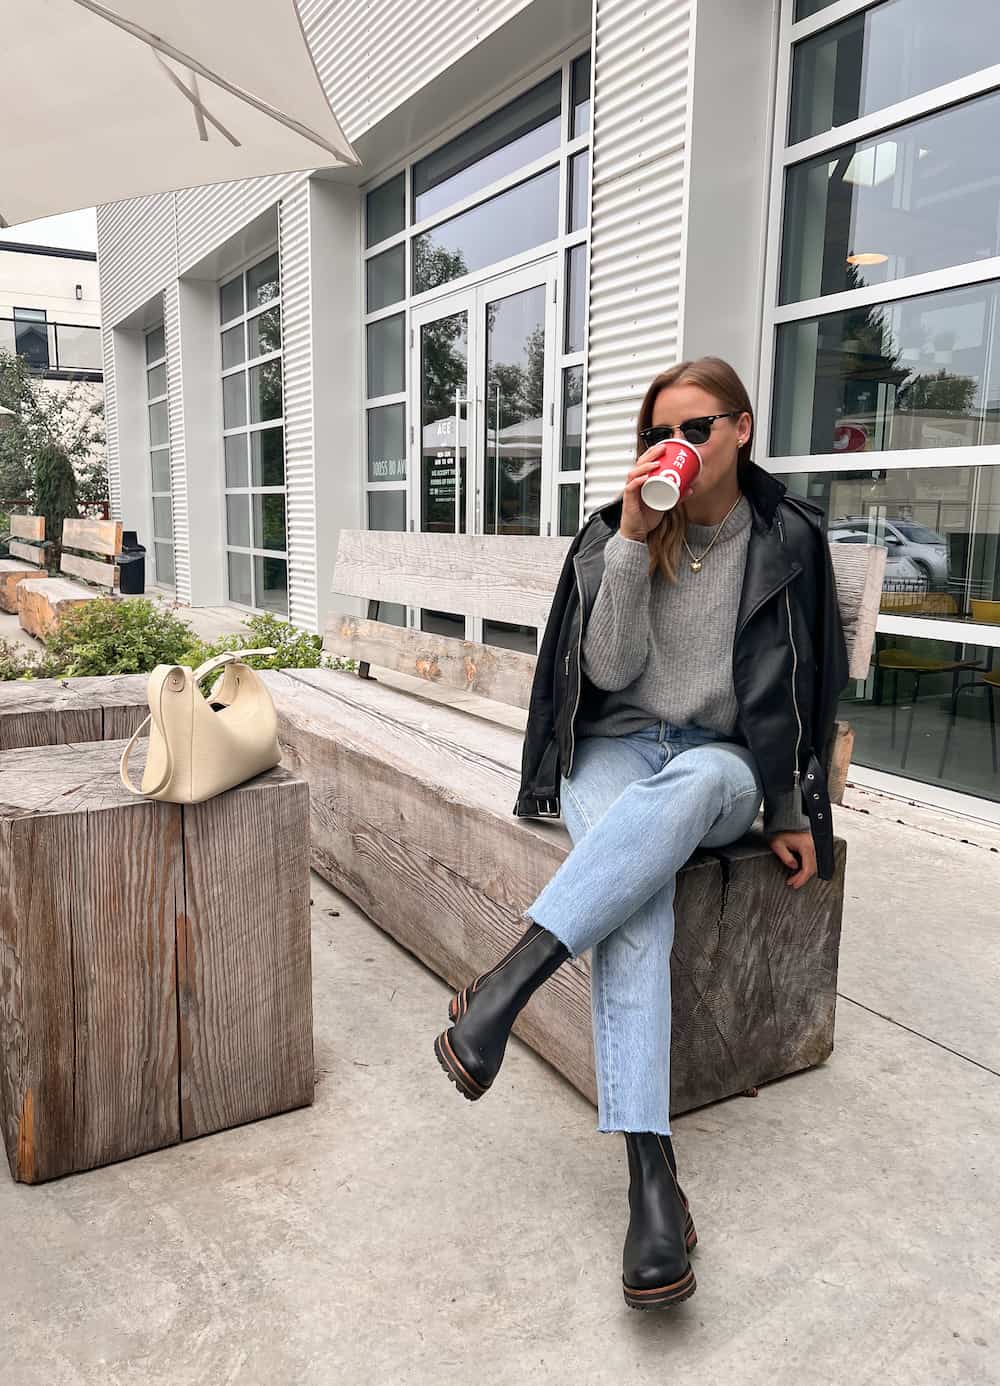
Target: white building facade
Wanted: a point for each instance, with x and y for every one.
(557, 200)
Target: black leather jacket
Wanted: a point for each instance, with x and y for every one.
(789, 658)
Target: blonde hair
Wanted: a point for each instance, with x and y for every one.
(716, 377)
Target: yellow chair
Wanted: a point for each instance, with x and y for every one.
(989, 612)
(899, 662)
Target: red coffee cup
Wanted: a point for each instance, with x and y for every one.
(678, 467)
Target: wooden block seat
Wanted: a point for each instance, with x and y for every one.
(42, 602)
(12, 572)
(28, 554)
(155, 974)
(410, 806)
(49, 712)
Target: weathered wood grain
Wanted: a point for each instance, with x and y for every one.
(859, 570)
(840, 761)
(12, 573)
(90, 569)
(98, 1060)
(42, 602)
(49, 712)
(28, 527)
(34, 554)
(93, 536)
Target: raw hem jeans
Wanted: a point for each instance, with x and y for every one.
(636, 807)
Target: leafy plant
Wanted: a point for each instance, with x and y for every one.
(72, 420)
(55, 493)
(108, 636)
(296, 649)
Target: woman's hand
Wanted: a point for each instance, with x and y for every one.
(639, 519)
(785, 844)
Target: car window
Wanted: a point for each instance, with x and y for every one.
(917, 534)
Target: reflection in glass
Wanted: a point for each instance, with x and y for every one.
(387, 510)
(267, 457)
(156, 381)
(510, 637)
(160, 466)
(163, 520)
(31, 337)
(918, 198)
(158, 423)
(233, 353)
(265, 392)
(885, 54)
(238, 521)
(234, 400)
(505, 225)
(262, 283)
(576, 285)
(264, 332)
(239, 578)
(270, 577)
(917, 373)
(579, 188)
(581, 96)
(515, 387)
(386, 371)
(572, 420)
(444, 369)
(805, 8)
(385, 276)
(505, 141)
(231, 299)
(385, 210)
(569, 509)
(156, 345)
(269, 521)
(163, 560)
(235, 447)
(443, 623)
(387, 443)
(940, 527)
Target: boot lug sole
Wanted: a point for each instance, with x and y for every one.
(661, 1296)
(448, 1060)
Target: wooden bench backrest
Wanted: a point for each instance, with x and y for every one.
(511, 579)
(94, 537)
(27, 541)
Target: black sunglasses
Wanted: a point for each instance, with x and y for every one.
(694, 430)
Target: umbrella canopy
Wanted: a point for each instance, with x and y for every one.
(109, 101)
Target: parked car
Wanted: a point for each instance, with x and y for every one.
(901, 572)
(906, 539)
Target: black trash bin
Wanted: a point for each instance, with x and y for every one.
(132, 565)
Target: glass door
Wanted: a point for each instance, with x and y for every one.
(482, 374)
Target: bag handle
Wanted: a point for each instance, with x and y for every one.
(201, 672)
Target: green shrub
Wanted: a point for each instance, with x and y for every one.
(118, 637)
(20, 662)
(296, 649)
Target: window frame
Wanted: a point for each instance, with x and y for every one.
(150, 365)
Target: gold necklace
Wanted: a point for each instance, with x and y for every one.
(696, 562)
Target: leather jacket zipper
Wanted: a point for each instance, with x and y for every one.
(579, 679)
(795, 667)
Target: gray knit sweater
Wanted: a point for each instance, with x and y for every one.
(660, 650)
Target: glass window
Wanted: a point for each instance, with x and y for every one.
(163, 558)
(158, 424)
(918, 198)
(510, 637)
(233, 353)
(156, 345)
(271, 584)
(236, 459)
(269, 521)
(940, 527)
(231, 299)
(265, 392)
(263, 283)
(267, 454)
(234, 401)
(387, 443)
(805, 8)
(885, 54)
(576, 286)
(386, 368)
(159, 460)
(514, 136)
(264, 333)
(385, 210)
(579, 188)
(238, 520)
(387, 510)
(572, 421)
(386, 278)
(156, 381)
(581, 97)
(505, 225)
(569, 509)
(163, 520)
(916, 373)
(31, 337)
(239, 579)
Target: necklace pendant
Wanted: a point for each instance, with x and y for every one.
(696, 566)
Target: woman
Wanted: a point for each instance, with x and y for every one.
(689, 672)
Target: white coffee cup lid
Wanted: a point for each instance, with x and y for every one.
(660, 492)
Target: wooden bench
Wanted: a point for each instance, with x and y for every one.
(42, 602)
(29, 553)
(155, 973)
(411, 806)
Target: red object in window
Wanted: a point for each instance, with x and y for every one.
(849, 438)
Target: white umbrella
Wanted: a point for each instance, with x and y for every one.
(104, 102)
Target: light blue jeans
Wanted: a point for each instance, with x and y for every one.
(636, 807)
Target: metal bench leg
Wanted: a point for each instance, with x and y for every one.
(909, 720)
(949, 729)
(363, 665)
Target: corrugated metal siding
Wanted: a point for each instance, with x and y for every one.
(138, 253)
(208, 216)
(178, 455)
(297, 390)
(372, 55)
(111, 426)
(641, 139)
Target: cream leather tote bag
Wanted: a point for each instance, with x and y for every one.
(200, 746)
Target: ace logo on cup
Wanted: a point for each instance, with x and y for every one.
(671, 480)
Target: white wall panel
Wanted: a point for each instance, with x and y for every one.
(208, 216)
(297, 388)
(137, 253)
(641, 144)
(178, 449)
